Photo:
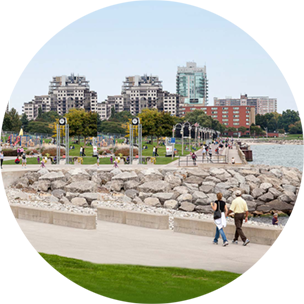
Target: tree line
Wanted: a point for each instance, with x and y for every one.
(287, 122)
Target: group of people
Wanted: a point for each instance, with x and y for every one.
(81, 151)
(154, 151)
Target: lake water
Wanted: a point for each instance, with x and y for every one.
(280, 155)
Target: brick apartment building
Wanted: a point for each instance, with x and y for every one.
(230, 116)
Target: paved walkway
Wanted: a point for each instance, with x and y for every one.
(113, 243)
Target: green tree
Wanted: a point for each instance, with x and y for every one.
(50, 116)
(39, 127)
(75, 119)
(39, 112)
(111, 127)
(89, 125)
(242, 129)
(15, 120)
(288, 118)
(7, 123)
(24, 122)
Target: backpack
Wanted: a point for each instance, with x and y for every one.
(23, 156)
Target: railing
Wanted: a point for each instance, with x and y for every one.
(241, 154)
(215, 159)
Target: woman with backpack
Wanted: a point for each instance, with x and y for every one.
(194, 158)
(220, 213)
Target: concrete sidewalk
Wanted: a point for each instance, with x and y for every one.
(113, 243)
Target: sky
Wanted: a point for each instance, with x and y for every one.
(154, 37)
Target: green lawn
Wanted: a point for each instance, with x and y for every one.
(30, 277)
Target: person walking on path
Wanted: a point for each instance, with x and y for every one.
(194, 158)
(220, 222)
(240, 209)
(204, 152)
(97, 156)
(80, 151)
(210, 154)
(153, 151)
(23, 160)
(1, 158)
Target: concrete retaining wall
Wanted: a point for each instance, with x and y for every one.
(74, 220)
(111, 215)
(141, 219)
(35, 214)
(258, 235)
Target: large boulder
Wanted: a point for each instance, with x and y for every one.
(78, 201)
(71, 195)
(254, 172)
(185, 197)
(137, 200)
(252, 205)
(81, 186)
(77, 175)
(247, 197)
(186, 206)
(191, 187)
(276, 172)
(245, 188)
(22, 182)
(181, 189)
(132, 193)
(42, 171)
(163, 196)
(115, 185)
(51, 199)
(252, 178)
(194, 180)
(155, 186)
(152, 201)
(267, 197)
(198, 195)
(275, 205)
(59, 193)
(241, 179)
(198, 173)
(131, 184)
(173, 180)
(206, 188)
(91, 196)
(125, 176)
(115, 171)
(144, 195)
(257, 192)
(212, 179)
(274, 192)
(203, 209)
(58, 184)
(289, 188)
(171, 204)
(265, 186)
(219, 172)
(44, 185)
(53, 176)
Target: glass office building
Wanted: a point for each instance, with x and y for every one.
(192, 84)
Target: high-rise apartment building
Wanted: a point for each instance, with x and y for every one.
(142, 92)
(139, 93)
(262, 104)
(3, 89)
(192, 84)
(65, 92)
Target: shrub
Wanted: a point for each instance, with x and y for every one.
(125, 151)
(104, 151)
(9, 152)
(31, 151)
(52, 150)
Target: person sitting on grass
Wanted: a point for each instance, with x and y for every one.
(17, 160)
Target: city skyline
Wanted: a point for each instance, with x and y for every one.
(241, 67)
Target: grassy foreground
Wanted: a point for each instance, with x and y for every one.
(30, 277)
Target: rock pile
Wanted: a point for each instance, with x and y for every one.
(266, 189)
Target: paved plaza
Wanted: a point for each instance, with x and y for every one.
(113, 243)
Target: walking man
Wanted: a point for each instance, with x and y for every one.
(240, 210)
